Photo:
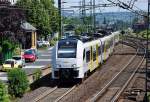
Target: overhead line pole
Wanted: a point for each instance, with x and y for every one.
(60, 24)
(94, 17)
(84, 14)
(91, 15)
(147, 53)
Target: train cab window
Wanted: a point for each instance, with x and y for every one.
(67, 53)
(87, 56)
(67, 49)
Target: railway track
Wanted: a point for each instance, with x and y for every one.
(135, 41)
(113, 90)
(115, 87)
(54, 95)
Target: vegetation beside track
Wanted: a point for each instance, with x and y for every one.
(18, 83)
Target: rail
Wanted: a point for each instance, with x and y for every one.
(107, 85)
(44, 94)
(126, 84)
(61, 97)
(51, 93)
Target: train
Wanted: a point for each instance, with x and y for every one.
(73, 58)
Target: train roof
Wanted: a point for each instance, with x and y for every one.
(85, 38)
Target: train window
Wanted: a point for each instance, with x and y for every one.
(103, 47)
(111, 42)
(99, 50)
(107, 45)
(87, 56)
(84, 54)
(91, 54)
(94, 55)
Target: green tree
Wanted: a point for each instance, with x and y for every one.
(4, 97)
(42, 14)
(18, 82)
(53, 14)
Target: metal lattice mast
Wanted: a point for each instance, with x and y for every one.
(94, 17)
(147, 52)
(90, 14)
(83, 13)
(60, 24)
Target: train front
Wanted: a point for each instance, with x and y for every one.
(67, 60)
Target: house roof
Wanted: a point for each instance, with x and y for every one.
(28, 27)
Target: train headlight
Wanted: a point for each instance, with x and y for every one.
(74, 66)
(58, 66)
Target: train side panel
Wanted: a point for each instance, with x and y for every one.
(80, 60)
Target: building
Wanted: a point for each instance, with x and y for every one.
(12, 2)
(137, 27)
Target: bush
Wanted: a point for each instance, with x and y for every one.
(17, 51)
(18, 82)
(4, 97)
(38, 74)
(6, 46)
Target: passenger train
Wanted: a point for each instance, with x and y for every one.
(73, 58)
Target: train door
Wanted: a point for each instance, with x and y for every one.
(100, 59)
(97, 54)
(91, 59)
(111, 45)
(107, 49)
(95, 57)
(87, 59)
(103, 51)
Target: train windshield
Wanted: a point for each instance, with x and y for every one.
(67, 50)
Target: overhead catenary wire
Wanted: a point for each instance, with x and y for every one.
(125, 6)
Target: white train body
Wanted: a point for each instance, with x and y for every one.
(73, 58)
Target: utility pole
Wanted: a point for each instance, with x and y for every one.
(91, 28)
(94, 17)
(147, 52)
(83, 13)
(59, 12)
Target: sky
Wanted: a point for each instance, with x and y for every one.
(139, 4)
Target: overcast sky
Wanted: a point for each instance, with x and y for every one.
(139, 4)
